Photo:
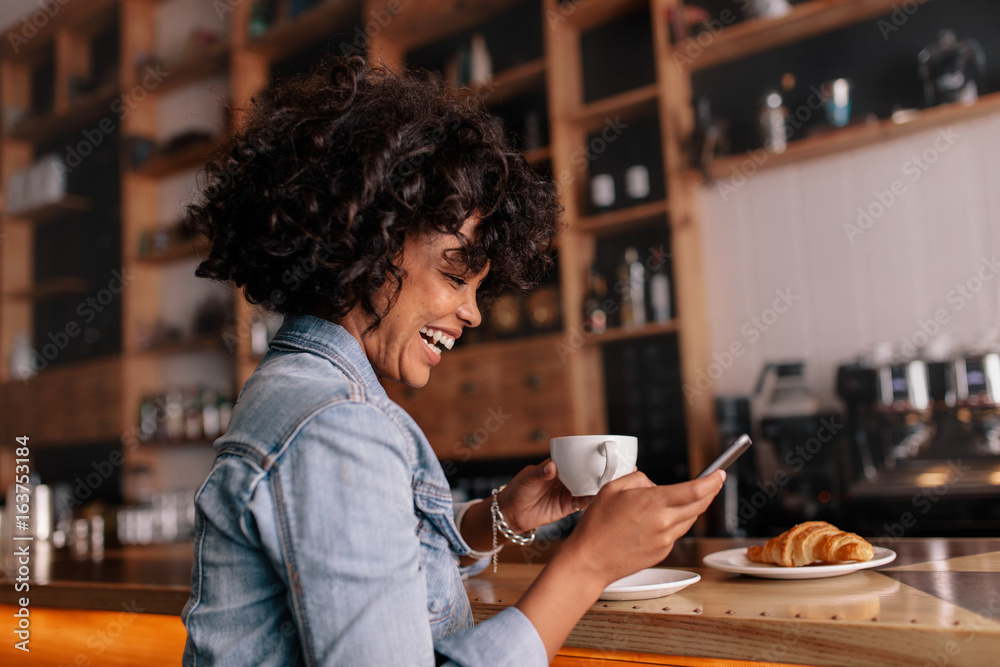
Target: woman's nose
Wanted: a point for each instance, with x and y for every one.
(469, 313)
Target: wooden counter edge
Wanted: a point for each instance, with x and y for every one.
(775, 640)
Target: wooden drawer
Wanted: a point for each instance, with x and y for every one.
(502, 400)
(78, 403)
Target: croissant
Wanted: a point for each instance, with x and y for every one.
(810, 542)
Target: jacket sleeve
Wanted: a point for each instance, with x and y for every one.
(348, 548)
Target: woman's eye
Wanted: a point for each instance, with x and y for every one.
(455, 279)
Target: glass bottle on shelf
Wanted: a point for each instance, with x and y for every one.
(659, 295)
(773, 117)
(192, 415)
(602, 192)
(631, 282)
(174, 415)
(636, 175)
(210, 414)
(595, 319)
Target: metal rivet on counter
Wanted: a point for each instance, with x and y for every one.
(479, 599)
(913, 620)
(835, 617)
(800, 615)
(501, 600)
(874, 618)
(666, 609)
(607, 605)
(697, 611)
(635, 606)
(763, 613)
(730, 611)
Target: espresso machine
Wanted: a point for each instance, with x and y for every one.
(797, 450)
(924, 445)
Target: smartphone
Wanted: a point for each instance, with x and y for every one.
(727, 457)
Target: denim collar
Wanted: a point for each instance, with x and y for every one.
(322, 337)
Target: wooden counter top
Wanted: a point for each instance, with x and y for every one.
(937, 604)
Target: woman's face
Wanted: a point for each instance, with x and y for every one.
(436, 302)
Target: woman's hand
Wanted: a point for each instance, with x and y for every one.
(536, 497)
(633, 524)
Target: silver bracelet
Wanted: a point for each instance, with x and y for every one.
(500, 525)
(459, 516)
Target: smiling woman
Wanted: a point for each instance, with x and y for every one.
(376, 211)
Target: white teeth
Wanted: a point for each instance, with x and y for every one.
(437, 337)
(433, 348)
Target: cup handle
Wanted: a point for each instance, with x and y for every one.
(609, 448)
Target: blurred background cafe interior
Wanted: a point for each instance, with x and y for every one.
(781, 219)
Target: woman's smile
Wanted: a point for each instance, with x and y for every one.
(436, 301)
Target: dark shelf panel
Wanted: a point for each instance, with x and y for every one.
(625, 105)
(185, 158)
(620, 333)
(210, 61)
(311, 26)
(511, 83)
(54, 287)
(85, 112)
(65, 207)
(623, 219)
(805, 20)
(836, 141)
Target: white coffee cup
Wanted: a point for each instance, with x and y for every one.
(588, 462)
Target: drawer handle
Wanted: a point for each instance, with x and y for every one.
(539, 435)
(470, 388)
(535, 380)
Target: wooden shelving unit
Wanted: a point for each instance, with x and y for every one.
(84, 113)
(839, 140)
(539, 155)
(296, 34)
(177, 252)
(212, 60)
(623, 219)
(52, 287)
(511, 83)
(586, 14)
(248, 62)
(204, 343)
(66, 206)
(625, 106)
(805, 20)
(618, 334)
(181, 159)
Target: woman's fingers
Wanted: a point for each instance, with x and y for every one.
(693, 490)
(633, 480)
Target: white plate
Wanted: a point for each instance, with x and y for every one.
(736, 561)
(651, 583)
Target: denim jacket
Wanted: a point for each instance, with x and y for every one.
(324, 531)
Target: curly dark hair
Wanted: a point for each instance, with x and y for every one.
(308, 205)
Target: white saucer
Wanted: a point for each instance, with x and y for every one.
(736, 561)
(651, 583)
